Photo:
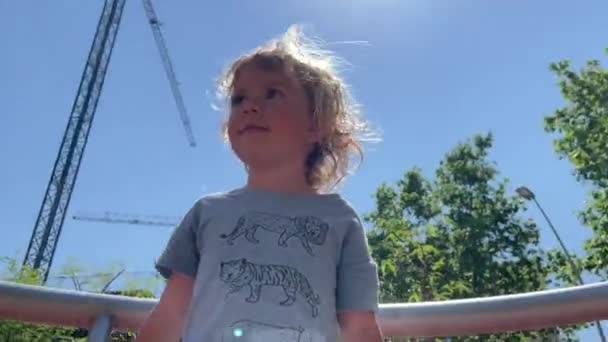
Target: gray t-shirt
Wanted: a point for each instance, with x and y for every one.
(271, 266)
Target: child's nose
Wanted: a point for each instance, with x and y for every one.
(251, 106)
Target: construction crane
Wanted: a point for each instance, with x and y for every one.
(43, 242)
(111, 217)
(164, 54)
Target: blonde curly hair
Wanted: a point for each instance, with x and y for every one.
(334, 110)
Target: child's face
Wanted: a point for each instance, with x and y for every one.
(270, 118)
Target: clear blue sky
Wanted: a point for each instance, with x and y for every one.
(434, 73)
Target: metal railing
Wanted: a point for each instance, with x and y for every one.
(526, 311)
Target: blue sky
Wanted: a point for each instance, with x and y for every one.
(434, 73)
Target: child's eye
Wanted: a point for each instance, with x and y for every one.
(237, 99)
(271, 93)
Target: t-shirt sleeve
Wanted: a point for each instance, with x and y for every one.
(181, 253)
(357, 287)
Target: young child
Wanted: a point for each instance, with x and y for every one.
(281, 259)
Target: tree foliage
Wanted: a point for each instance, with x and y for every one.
(581, 129)
(458, 235)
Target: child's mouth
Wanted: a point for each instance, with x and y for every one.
(253, 129)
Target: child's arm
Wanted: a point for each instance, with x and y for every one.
(359, 326)
(357, 288)
(166, 322)
(178, 264)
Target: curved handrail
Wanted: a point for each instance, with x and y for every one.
(516, 312)
(525, 311)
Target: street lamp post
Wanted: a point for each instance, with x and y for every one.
(527, 194)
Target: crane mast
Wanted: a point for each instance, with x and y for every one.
(47, 229)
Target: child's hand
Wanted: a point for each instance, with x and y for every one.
(359, 326)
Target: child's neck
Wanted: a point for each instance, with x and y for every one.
(281, 179)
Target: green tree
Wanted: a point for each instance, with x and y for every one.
(458, 235)
(13, 271)
(77, 275)
(581, 130)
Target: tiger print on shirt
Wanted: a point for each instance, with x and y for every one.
(240, 273)
(308, 229)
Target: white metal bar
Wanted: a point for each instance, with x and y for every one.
(70, 308)
(526, 311)
(475, 316)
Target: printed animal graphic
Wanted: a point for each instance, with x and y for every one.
(307, 229)
(252, 331)
(240, 273)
